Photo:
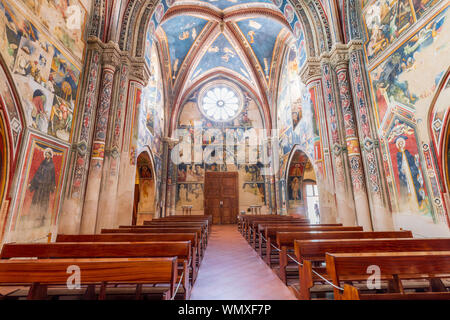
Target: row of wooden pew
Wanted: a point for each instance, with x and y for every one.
(324, 261)
(159, 260)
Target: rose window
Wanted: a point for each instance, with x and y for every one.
(220, 103)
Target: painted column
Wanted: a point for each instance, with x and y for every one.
(169, 171)
(311, 77)
(344, 197)
(371, 155)
(340, 60)
(110, 60)
(106, 217)
(138, 78)
(70, 217)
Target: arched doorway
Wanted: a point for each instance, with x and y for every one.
(145, 191)
(302, 191)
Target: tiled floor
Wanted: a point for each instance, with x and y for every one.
(231, 269)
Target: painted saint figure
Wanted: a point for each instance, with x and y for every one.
(295, 189)
(43, 185)
(411, 182)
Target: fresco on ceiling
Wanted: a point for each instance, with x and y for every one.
(190, 176)
(64, 19)
(386, 20)
(46, 79)
(221, 54)
(224, 4)
(406, 76)
(181, 33)
(261, 34)
(295, 111)
(38, 196)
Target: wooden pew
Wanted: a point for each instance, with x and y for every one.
(396, 266)
(78, 250)
(248, 230)
(170, 224)
(151, 229)
(41, 273)
(244, 219)
(270, 233)
(135, 237)
(188, 218)
(259, 244)
(254, 231)
(311, 254)
(285, 241)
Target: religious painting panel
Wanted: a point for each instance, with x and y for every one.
(46, 78)
(38, 196)
(406, 76)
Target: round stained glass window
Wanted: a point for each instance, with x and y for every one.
(220, 103)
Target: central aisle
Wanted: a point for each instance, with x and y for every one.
(232, 270)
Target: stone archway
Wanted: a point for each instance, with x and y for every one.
(146, 193)
(300, 176)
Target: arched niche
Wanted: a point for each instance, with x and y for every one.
(146, 190)
(302, 196)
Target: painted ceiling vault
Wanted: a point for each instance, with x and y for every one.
(199, 39)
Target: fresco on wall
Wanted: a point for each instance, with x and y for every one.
(407, 174)
(38, 198)
(386, 20)
(146, 187)
(295, 111)
(151, 112)
(64, 19)
(46, 79)
(406, 76)
(190, 176)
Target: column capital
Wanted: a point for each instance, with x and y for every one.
(111, 56)
(339, 55)
(171, 142)
(311, 70)
(139, 70)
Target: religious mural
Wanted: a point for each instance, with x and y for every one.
(386, 20)
(151, 127)
(411, 195)
(38, 197)
(296, 120)
(397, 78)
(214, 154)
(46, 78)
(64, 19)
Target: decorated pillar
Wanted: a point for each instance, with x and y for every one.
(339, 58)
(138, 78)
(343, 190)
(106, 216)
(311, 77)
(110, 61)
(169, 186)
(371, 154)
(70, 216)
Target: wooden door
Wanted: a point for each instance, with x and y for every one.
(221, 196)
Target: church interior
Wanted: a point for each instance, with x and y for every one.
(188, 149)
